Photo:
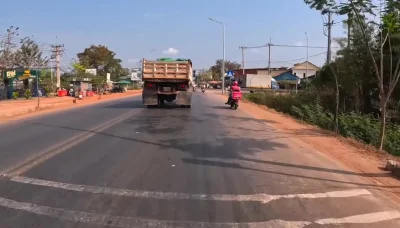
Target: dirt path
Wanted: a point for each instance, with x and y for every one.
(13, 110)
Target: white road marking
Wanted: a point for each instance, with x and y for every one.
(361, 219)
(263, 198)
(128, 222)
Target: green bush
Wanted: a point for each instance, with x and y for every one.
(308, 108)
(392, 139)
(47, 91)
(28, 94)
(15, 95)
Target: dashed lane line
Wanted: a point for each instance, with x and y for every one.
(263, 198)
(129, 222)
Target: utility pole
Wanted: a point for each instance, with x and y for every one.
(307, 58)
(223, 54)
(242, 60)
(269, 55)
(57, 50)
(329, 25)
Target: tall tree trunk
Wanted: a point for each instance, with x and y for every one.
(383, 124)
(336, 116)
(349, 33)
(336, 127)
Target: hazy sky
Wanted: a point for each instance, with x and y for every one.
(174, 28)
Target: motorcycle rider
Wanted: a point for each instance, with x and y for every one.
(203, 87)
(233, 88)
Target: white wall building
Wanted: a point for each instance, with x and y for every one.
(300, 69)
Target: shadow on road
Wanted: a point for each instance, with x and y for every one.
(156, 124)
(221, 107)
(203, 136)
(241, 119)
(238, 166)
(126, 104)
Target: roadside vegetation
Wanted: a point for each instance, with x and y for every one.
(357, 94)
(310, 108)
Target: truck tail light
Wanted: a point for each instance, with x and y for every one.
(150, 85)
(182, 86)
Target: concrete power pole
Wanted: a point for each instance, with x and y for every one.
(329, 25)
(269, 55)
(57, 50)
(242, 59)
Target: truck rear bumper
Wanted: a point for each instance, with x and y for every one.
(151, 97)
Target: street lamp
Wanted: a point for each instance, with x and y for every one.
(223, 53)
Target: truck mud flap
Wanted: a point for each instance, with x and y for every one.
(150, 99)
(184, 98)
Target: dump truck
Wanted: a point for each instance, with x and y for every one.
(167, 80)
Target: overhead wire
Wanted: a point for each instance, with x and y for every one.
(234, 55)
(286, 61)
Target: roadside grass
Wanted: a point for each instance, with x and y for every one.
(308, 108)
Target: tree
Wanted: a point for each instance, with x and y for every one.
(390, 26)
(7, 46)
(78, 68)
(382, 50)
(216, 69)
(204, 75)
(47, 81)
(29, 55)
(102, 59)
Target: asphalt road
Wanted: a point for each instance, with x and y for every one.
(119, 164)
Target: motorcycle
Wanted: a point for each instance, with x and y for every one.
(234, 101)
(203, 90)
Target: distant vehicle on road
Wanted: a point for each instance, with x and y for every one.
(167, 80)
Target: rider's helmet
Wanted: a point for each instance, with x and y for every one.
(235, 83)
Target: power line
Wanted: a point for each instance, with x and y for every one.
(234, 55)
(298, 46)
(286, 61)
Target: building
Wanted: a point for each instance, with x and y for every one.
(287, 80)
(300, 69)
(261, 71)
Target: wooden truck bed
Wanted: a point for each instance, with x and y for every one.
(167, 70)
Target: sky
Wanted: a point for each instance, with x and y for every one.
(175, 28)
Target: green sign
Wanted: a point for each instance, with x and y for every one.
(20, 74)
